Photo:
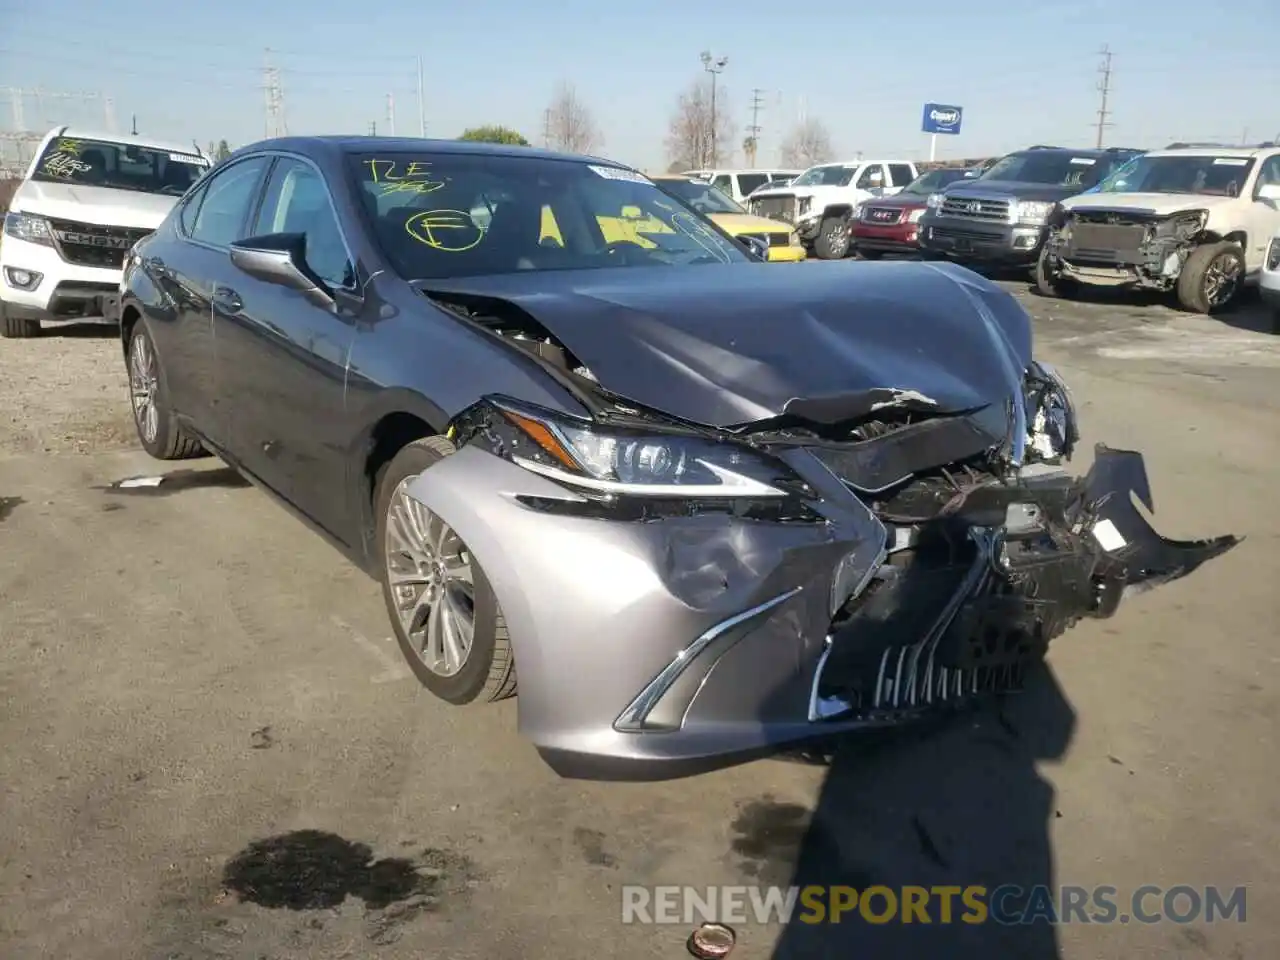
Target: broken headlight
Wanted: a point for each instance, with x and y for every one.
(1052, 431)
(607, 460)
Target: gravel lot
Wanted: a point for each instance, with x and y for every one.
(211, 749)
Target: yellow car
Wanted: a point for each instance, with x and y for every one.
(729, 216)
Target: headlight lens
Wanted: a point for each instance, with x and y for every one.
(1273, 255)
(583, 454)
(1034, 211)
(934, 202)
(1052, 430)
(914, 216)
(24, 226)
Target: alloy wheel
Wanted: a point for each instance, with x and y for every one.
(429, 573)
(142, 388)
(838, 238)
(1222, 279)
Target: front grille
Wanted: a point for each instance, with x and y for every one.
(885, 216)
(779, 239)
(989, 210)
(94, 245)
(762, 237)
(1105, 242)
(776, 208)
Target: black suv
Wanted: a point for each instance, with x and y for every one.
(1000, 217)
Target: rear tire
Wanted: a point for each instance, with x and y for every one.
(487, 671)
(17, 328)
(159, 431)
(1211, 278)
(832, 241)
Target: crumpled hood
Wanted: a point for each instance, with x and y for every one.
(100, 205)
(1159, 204)
(725, 345)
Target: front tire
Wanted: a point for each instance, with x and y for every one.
(1211, 277)
(158, 429)
(1046, 283)
(17, 328)
(443, 611)
(832, 241)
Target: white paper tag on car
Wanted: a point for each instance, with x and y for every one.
(1108, 537)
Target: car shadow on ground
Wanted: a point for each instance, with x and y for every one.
(958, 804)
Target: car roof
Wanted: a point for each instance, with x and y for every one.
(149, 143)
(1211, 151)
(335, 146)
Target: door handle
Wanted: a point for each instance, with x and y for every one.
(227, 299)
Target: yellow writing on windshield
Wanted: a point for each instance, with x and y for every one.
(396, 176)
(72, 147)
(449, 231)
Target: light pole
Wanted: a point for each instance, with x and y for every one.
(713, 66)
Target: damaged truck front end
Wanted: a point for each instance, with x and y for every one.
(682, 597)
(1141, 250)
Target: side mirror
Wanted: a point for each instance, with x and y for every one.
(280, 258)
(1269, 191)
(757, 248)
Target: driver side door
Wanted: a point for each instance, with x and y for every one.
(1264, 214)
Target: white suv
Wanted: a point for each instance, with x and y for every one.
(824, 200)
(1193, 220)
(86, 200)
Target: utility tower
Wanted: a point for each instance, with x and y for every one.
(276, 125)
(752, 144)
(391, 115)
(546, 127)
(1104, 87)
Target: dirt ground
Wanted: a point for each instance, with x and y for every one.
(211, 748)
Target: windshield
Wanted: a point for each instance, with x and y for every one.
(456, 215)
(700, 196)
(836, 175)
(118, 166)
(1204, 174)
(1050, 167)
(933, 181)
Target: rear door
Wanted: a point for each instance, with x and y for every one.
(209, 220)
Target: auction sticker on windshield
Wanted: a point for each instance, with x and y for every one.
(1230, 161)
(186, 158)
(1083, 161)
(617, 173)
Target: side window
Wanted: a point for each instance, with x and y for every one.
(227, 198)
(724, 183)
(1269, 175)
(901, 174)
(187, 215)
(297, 201)
(751, 181)
(872, 176)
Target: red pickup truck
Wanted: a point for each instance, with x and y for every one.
(888, 224)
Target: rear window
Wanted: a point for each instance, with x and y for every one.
(118, 166)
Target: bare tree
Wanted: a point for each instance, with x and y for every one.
(807, 144)
(689, 140)
(570, 125)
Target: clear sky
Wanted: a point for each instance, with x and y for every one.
(1025, 72)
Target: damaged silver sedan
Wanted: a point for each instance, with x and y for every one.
(688, 508)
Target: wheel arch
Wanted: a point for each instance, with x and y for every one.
(400, 418)
(837, 210)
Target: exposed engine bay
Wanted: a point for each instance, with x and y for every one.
(1124, 247)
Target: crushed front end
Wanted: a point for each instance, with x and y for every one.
(810, 576)
(1118, 247)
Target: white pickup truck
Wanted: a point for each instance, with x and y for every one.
(86, 199)
(821, 202)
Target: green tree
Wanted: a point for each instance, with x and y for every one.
(494, 134)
